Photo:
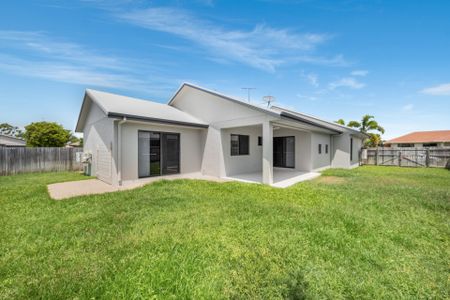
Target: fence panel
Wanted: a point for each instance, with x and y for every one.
(16, 160)
(407, 157)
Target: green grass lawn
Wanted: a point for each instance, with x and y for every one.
(372, 232)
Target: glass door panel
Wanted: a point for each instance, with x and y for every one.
(171, 153)
(155, 154)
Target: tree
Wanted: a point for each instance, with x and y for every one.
(340, 122)
(366, 125)
(373, 141)
(10, 130)
(46, 134)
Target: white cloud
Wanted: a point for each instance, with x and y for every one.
(311, 78)
(34, 54)
(361, 73)
(261, 47)
(306, 97)
(408, 107)
(438, 90)
(348, 82)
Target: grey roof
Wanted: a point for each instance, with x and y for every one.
(274, 111)
(316, 120)
(119, 106)
(6, 140)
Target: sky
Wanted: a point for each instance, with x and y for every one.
(331, 59)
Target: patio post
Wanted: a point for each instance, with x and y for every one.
(267, 157)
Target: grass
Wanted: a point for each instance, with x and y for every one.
(371, 232)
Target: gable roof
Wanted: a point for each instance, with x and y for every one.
(223, 96)
(118, 106)
(274, 111)
(423, 137)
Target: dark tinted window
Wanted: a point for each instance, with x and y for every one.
(240, 144)
(320, 148)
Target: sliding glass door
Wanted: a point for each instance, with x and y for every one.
(284, 152)
(158, 153)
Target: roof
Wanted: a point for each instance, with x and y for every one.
(274, 111)
(315, 120)
(119, 106)
(6, 140)
(223, 96)
(423, 137)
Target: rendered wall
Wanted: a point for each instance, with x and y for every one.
(239, 164)
(322, 160)
(98, 136)
(340, 156)
(191, 147)
(302, 147)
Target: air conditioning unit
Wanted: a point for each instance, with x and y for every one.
(86, 159)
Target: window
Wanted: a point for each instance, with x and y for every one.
(351, 149)
(326, 148)
(405, 145)
(320, 148)
(430, 145)
(259, 140)
(239, 144)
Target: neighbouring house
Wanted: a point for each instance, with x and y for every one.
(203, 131)
(10, 141)
(435, 138)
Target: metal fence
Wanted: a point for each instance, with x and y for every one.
(16, 160)
(407, 157)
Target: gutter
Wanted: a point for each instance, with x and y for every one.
(119, 149)
(155, 120)
(303, 120)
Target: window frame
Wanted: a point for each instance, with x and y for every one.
(239, 149)
(351, 149)
(320, 149)
(326, 148)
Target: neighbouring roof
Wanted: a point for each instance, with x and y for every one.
(423, 137)
(6, 140)
(119, 106)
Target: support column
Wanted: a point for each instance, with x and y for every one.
(267, 156)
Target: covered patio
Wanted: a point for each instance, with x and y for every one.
(282, 178)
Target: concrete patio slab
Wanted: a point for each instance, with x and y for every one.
(65, 190)
(282, 178)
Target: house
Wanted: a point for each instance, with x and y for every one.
(10, 141)
(435, 138)
(203, 131)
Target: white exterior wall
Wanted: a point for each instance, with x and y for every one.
(191, 147)
(239, 164)
(322, 160)
(302, 147)
(98, 137)
(220, 114)
(340, 151)
(357, 145)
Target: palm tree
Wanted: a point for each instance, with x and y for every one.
(367, 124)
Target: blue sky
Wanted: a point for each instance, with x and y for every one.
(332, 59)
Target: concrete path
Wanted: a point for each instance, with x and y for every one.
(64, 190)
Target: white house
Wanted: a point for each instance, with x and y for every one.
(202, 131)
